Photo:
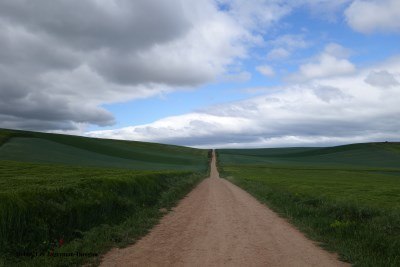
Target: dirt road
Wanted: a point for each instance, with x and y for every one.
(220, 224)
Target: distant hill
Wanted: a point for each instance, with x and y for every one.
(90, 193)
(384, 154)
(83, 151)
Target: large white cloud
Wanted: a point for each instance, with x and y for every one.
(331, 62)
(369, 16)
(341, 109)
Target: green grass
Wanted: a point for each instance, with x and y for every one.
(91, 193)
(83, 151)
(347, 197)
(374, 155)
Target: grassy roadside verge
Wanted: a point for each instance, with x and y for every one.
(46, 221)
(362, 224)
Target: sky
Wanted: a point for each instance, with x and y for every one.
(204, 73)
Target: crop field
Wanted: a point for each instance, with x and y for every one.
(74, 196)
(82, 151)
(347, 198)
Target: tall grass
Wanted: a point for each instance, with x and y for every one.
(62, 193)
(42, 204)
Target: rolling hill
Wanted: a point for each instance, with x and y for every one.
(63, 193)
(373, 155)
(76, 150)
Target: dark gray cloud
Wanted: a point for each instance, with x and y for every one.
(381, 79)
(139, 69)
(38, 38)
(60, 61)
(329, 93)
(92, 25)
(12, 122)
(18, 102)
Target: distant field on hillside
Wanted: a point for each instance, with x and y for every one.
(89, 193)
(373, 155)
(83, 151)
(347, 197)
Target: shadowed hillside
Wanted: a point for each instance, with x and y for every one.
(385, 155)
(83, 151)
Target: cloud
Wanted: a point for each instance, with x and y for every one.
(369, 16)
(331, 62)
(62, 60)
(327, 65)
(381, 79)
(256, 14)
(290, 41)
(283, 46)
(278, 53)
(184, 128)
(266, 70)
(327, 111)
(329, 93)
(237, 77)
(337, 50)
(326, 9)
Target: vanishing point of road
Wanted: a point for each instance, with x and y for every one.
(219, 224)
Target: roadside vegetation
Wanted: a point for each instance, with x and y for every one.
(347, 198)
(60, 207)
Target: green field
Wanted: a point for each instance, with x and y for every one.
(92, 194)
(89, 193)
(346, 197)
(83, 151)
